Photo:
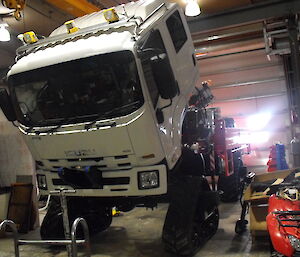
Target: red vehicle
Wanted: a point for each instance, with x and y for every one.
(219, 145)
(283, 219)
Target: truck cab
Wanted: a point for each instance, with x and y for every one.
(108, 99)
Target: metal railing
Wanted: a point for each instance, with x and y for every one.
(73, 242)
(70, 242)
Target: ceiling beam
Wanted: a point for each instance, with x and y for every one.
(76, 8)
(249, 14)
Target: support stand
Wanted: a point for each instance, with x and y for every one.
(70, 242)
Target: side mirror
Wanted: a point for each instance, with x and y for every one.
(164, 76)
(6, 105)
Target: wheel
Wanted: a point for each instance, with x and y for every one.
(231, 185)
(97, 219)
(190, 221)
(52, 225)
(240, 226)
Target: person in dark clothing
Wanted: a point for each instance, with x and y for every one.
(192, 160)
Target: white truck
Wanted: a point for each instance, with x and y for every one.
(100, 104)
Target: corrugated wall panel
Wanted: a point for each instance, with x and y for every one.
(246, 84)
(240, 60)
(251, 90)
(261, 73)
(247, 107)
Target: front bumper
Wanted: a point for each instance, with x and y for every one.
(115, 183)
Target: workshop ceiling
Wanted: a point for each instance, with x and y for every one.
(42, 16)
(214, 6)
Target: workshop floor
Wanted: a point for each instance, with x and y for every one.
(138, 234)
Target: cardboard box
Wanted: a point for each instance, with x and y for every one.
(259, 201)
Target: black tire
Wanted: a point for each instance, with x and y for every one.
(52, 226)
(184, 230)
(231, 185)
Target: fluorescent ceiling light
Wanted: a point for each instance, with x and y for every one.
(4, 33)
(192, 8)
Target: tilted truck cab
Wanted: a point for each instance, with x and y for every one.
(101, 108)
(93, 99)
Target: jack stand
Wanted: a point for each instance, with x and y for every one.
(70, 236)
(241, 224)
(64, 208)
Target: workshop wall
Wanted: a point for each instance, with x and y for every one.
(15, 158)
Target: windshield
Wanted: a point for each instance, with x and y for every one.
(77, 91)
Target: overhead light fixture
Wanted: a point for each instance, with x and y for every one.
(192, 8)
(4, 33)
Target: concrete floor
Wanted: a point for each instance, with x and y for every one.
(138, 234)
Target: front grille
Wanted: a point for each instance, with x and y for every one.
(121, 157)
(116, 181)
(104, 182)
(118, 162)
(124, 164)
(98, 159)
(58, 182)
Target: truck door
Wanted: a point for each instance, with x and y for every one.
(163, 90)
(179, 45)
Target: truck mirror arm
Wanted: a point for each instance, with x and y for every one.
(160, 114)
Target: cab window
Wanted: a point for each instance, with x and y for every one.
(177, 31)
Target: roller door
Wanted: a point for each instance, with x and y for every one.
(251, 88)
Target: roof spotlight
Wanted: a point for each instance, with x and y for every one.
(4, 33)
(192, 8)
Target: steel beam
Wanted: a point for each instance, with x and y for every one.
(76, 8)
(294, 90)
(249, 14)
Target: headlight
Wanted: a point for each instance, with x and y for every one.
(148, 179)
(42, 181)
(295, 242)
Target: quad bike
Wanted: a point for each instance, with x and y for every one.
(283, 219)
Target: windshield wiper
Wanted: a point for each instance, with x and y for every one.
(60, 124)
(88, 126)
(30, 128)
(114, 110)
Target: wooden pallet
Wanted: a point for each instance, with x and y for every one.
(20, 206)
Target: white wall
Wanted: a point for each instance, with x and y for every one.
(15, 158)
